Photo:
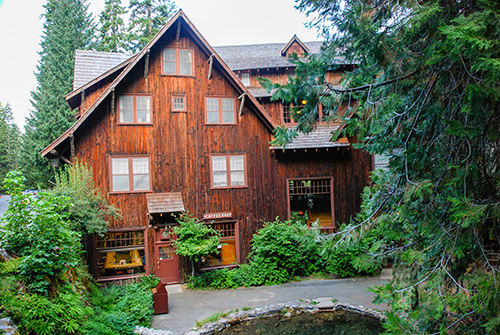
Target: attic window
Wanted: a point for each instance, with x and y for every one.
(178, 61)
(245, 78)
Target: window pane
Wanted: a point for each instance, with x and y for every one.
(185, 69)
(141, 182)
(212, 117)
(227, 105)
(126, 109)
(212, 110)
(237, 178)
(185, 56)
(237, 163)
(169, 61)
(227, 117)
(219, 171)
(119, 166)
(220, 179)
(179, 104)
(140, 165)
(143, 108)
(219, 163)
(245, 78)
(120, 183)
(213, 104)
(227, 110)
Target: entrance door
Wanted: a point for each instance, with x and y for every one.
(167, 261)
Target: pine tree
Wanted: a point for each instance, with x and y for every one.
(10, 139)
(146, 19)
(67, 27)
(111, 33)
(426, 88)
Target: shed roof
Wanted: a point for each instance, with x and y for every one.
(320, 137)
(165, 203)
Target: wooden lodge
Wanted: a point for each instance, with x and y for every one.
(182, 126)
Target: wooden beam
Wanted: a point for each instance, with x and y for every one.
(210, 65)
(242, 97)
(113, 102)
(178, 33)
(65, 160)
(83, 100)
(146, 64)
(72, 145)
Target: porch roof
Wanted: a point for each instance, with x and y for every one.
(165, 202)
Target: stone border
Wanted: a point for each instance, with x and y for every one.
(292, 308)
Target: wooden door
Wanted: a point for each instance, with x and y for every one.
(167, 261)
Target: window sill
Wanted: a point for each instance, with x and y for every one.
(134, 124)
(129, 192)
(124, 277)
(221, 124)
(220, 267)
(228, 187)
(178, 75)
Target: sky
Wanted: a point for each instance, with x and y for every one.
(221, 22)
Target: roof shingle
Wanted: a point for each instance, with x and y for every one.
(318, 138)
(165, 203)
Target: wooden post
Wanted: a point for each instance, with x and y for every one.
(113, 102)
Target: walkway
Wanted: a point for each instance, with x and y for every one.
(187, 307)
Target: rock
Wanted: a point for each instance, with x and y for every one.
(149, 331)
(7, 327)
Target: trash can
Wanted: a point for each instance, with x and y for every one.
(160, 298)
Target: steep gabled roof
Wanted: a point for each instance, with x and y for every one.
(294, 39)
(320, 137)
(203, 44)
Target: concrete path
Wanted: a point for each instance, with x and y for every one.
(188, 306)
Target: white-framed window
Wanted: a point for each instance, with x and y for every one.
(130, 174)
(228, 170)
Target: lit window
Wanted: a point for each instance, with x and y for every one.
(245, 78)
(226, 254)
(220, 111)
(120, 254)
(179, 103)
(178, 61)
(130, 174)
(228, 171)
(311, 200)
(134, 109)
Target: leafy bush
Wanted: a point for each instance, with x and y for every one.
(282, 250)
(195, 239)
(118, 309)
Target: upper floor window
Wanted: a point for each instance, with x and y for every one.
(220, 111)
(134, 109)
(245, 78)
(177, 61)
(179, 103)
(228, 171)
(130, 174)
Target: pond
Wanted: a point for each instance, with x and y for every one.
(325, 323)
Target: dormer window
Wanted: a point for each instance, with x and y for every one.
(245, 78)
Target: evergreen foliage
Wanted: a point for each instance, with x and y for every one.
(111, 34)
(147, 17)
(67, 27)
(425, 91)
(10, 139)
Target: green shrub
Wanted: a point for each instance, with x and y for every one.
(282, 250)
